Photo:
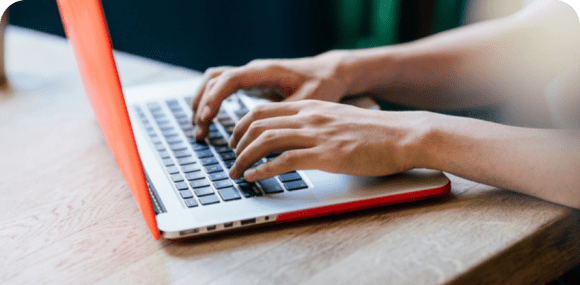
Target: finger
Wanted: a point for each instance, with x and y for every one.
(287, 161)
(209, 74)
(261, 112)
(262, 73)
(240, 139)
(306, 91)
(202, 127)
(271, 141)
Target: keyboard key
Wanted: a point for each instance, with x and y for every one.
(176, 147)
(240, 180)
(163, 123)
(212, 128)
(186, 160)
(227, 122)
(241, 113)
(170, 134)
(172, 170)
(181, 186)
(228, 155)
(202, 191)
(168, 162)
(187, 129)
(209, 199)
(221, 149)
(172, 102)
(159, 116)
(204, 153)
(167, 128)
(271, 186)
(208, 161)
(182, 153)
(218, 142)
(218, 176)
(174, 140)
(257, 163)
(164, 154)
(222, 184)
(229, 163)
(249, 190)
(177, 178)
(190, 203)
(179, 114)
(213, 168)
(230, 130)
(214, 135)
(185, 194)
(190, 168)
(160, 147)
(199, 183)
(290, 176)
(156, 141)
(194, 175)
(222, 115)
(229, 194)
(272, 155)
(295, 185)
(189, 133)
(199, 146)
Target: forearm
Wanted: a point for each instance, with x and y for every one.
(538, 162)
(475, 65)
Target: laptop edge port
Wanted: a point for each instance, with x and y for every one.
(248, 221)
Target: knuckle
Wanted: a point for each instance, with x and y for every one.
(288, 158)
(258, 110)
(255, 128)
(318, 119)
(269, 135)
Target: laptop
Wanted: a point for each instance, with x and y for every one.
(181, 185)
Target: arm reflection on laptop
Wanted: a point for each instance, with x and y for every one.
(510, 59)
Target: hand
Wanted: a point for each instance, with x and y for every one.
(320, 77)
(326, 136)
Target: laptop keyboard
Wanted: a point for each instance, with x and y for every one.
(199, 169)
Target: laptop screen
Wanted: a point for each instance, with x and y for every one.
(87, 31)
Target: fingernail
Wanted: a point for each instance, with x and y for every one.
(205, 113)
(197, 132)
(231, 142)
(250, 174)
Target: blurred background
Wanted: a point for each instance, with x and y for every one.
(200, 34)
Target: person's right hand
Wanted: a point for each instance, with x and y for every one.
(321, 77)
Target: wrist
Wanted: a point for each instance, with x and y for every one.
(364, 70)
(429, 141)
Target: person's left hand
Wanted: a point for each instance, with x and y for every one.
(331, 137)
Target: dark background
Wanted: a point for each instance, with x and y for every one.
(200, 34)
(196, 34)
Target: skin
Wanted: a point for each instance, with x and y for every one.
(507, 61)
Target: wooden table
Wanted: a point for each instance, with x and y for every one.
(68, 216)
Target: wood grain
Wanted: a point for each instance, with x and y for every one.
(69, 218)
